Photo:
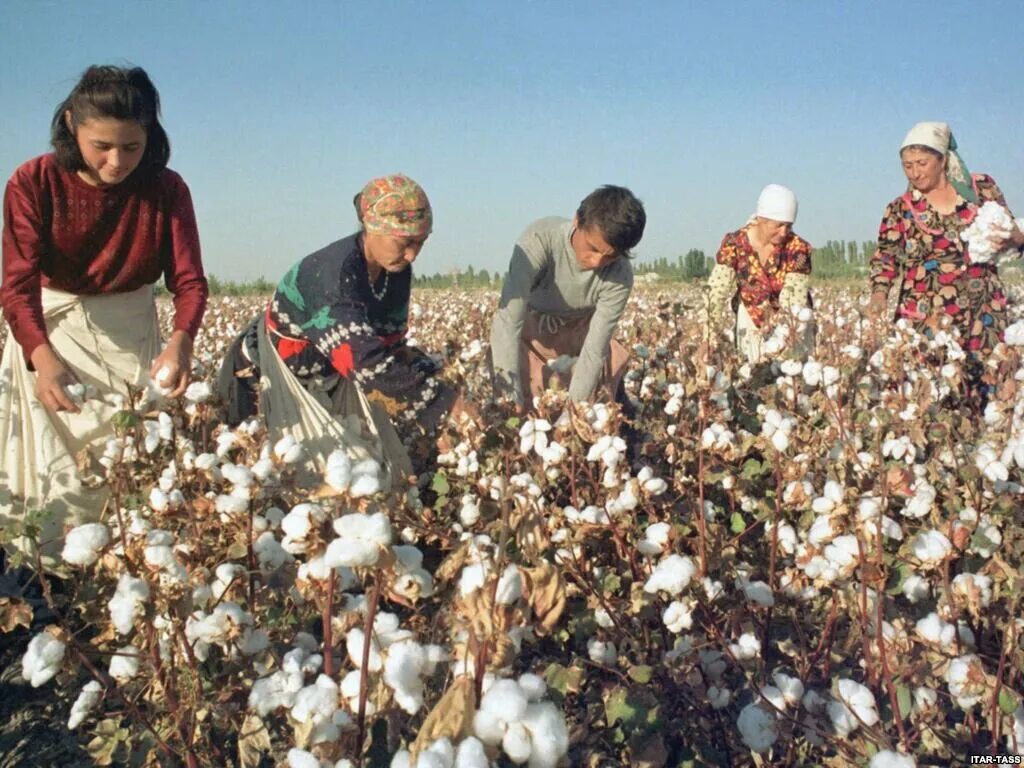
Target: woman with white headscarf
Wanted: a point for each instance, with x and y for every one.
(920, 247)
(759, 270)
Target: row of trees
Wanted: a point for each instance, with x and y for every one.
(837, 259)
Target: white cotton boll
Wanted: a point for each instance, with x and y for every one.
(931, 547)
(510, 586)
(128, 602)
(198, 392)
(773, 698)
(791, 688)
(603, 618)
(469, 513)
(992, 222)
(886, 758)
(812, 372)
(719, 698)
(353, 553)
(916, 588)
(472, 578)
(158, 500)
(163, 376)
(855, 704)
(602, 652)
(791, 367)
(471, 754)
(300, 758)
(516, 743)
(124, 664)
(533, 686)
(842, 552)
(42, 659)
(354, 645)
(366, 479)
(925, 698)
(655, 539)
(316, 703)
(759, 592)
(821, 531)
(970, 586)
(230, 505)
(298, 523)
(1014, 334)
(85, 703)
(404, 665)
(747, 647)
(678, 616)
(758, 728)
(548, 733)
(966, 679)
(506, 699)
(933, 629)
(671, 575)
(83, 544)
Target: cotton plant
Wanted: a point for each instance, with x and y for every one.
(992, 223)
(529, 730)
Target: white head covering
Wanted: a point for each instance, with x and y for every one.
(777, 203)
(932, 135)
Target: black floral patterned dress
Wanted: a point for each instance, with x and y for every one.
(922, 250)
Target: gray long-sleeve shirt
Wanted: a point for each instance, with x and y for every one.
(545, 277)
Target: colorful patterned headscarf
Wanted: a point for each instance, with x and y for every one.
(395, 205)
(939, 137)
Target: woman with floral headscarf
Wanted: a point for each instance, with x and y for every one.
(336, 325)
(920, 247)
(759, 270)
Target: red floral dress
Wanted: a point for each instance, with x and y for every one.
(923, 249)
(760, 282)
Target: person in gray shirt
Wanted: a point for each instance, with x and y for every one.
(565, 292)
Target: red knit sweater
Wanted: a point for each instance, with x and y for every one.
(63, 233)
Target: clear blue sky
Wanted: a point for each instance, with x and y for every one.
(279, 112)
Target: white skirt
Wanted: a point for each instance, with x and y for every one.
(106, 341)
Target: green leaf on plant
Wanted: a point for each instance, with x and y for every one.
(904, 700)
(439, 484)
(736, 523)
(1008, 701)
(641, 674)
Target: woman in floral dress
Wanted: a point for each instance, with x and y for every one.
(760, 269)
(920, 248)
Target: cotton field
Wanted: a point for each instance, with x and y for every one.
(808, 562)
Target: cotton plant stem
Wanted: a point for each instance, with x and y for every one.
(996, 716)
(182, 719)
(364, 667)
(326, 621)
(702, 533)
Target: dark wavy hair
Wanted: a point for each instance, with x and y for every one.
(121, 93)
(617, 213)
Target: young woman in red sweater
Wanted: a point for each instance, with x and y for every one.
(88, 229)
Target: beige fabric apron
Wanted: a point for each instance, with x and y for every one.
(105, 341)
(546, 337)
(323, 424)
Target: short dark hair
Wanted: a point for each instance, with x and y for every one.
(617, 213)
(121, 93)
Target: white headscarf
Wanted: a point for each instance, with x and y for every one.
(939, 137)
(777, 203)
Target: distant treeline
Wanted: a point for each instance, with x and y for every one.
(836, 260)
